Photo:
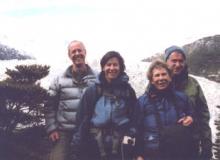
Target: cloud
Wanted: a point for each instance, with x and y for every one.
(137, 29)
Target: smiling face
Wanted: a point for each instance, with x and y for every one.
(111, 69)
(176, 63)
(77, 54)
(160, 78)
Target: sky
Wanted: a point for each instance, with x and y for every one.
(135, 28)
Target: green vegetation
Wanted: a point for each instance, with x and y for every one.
(22, 135)
(22, 97)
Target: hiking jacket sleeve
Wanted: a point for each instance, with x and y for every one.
(138, 122)
(202, 116)
(52, 106)
(86, 106)
(205, 130)
(186, 104)
(132, 100)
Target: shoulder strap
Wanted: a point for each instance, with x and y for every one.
(98, 92)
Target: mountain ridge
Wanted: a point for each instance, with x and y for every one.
(9, 53)
(203, 57)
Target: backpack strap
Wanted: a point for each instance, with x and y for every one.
(98, 92)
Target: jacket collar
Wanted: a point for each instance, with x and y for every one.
(121, 80)
(154, 93)
(90, 74)
(180, 80)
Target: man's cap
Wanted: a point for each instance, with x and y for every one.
(172, 49)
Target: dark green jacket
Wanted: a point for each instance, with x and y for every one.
(191, 87)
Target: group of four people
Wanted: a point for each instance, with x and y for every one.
(104, 120)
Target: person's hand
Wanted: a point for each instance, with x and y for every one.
(140, 158)
(54, 136)
(186, 121)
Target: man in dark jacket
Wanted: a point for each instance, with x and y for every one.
(176, 60)
(66, 91)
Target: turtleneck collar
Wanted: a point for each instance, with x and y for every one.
(153, 92)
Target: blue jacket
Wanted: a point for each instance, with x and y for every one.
(88, 113)
(170, 106)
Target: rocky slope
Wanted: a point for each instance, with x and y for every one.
(8, 53)
(203, 57)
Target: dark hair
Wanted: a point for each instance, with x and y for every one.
(157, 64)
(112, 54)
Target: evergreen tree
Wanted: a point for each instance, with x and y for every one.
(22, 97)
